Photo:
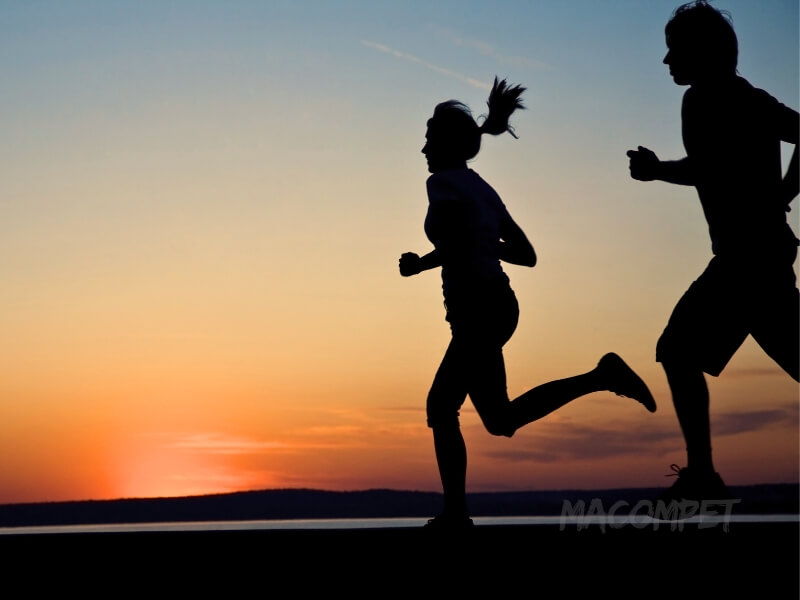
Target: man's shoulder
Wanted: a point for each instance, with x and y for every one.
(738, 92)
(747, 89)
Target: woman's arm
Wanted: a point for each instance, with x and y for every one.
(411, 263)
(515, 248)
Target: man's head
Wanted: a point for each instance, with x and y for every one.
(701, 44)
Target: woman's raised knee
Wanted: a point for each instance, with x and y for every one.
(500, 426)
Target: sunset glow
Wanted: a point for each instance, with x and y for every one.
(202, 206)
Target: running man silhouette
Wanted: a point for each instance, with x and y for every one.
(732, 133)
(472, 232)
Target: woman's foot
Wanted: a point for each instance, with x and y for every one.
(623, 381)
(446, 522)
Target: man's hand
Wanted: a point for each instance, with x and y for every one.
(643, 164)
(409, 264)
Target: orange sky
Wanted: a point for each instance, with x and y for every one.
(202, 209)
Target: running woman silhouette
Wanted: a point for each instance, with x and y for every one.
(472, 232)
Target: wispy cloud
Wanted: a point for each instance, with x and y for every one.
(568, 440)
(222, 479)
(735, 423)
(572, 441)
(218, 443)
(417, 408)
(410, 57)
(486, 49)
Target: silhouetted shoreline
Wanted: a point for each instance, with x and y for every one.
(366, 504)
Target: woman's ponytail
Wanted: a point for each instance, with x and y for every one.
(503, 101)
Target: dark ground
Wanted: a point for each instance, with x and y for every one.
(745, 560)
(547, 561)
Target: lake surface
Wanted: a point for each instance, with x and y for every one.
(578, 522)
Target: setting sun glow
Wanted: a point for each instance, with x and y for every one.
(202, 208)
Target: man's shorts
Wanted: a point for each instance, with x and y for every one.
(730, 300)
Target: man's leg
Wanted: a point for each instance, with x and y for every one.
(707, 326)
(691, 400)
(698, 480)
(777, 327)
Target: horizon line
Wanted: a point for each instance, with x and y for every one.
(368, 490)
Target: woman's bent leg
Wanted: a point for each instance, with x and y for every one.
(505, 417)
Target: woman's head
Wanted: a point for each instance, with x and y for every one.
(454, 137)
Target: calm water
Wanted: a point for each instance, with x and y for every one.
(320, 524)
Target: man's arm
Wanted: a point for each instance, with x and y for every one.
(645, 166)
(789, 124)
(790, 186)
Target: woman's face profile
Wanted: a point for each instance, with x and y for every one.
(435, 150)
(428, 149)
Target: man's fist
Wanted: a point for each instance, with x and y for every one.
(643, 164)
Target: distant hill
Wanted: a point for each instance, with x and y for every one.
(376, 503)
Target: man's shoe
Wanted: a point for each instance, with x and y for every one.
(691, 485)
(623, 381)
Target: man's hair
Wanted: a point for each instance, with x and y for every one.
(708, 30)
